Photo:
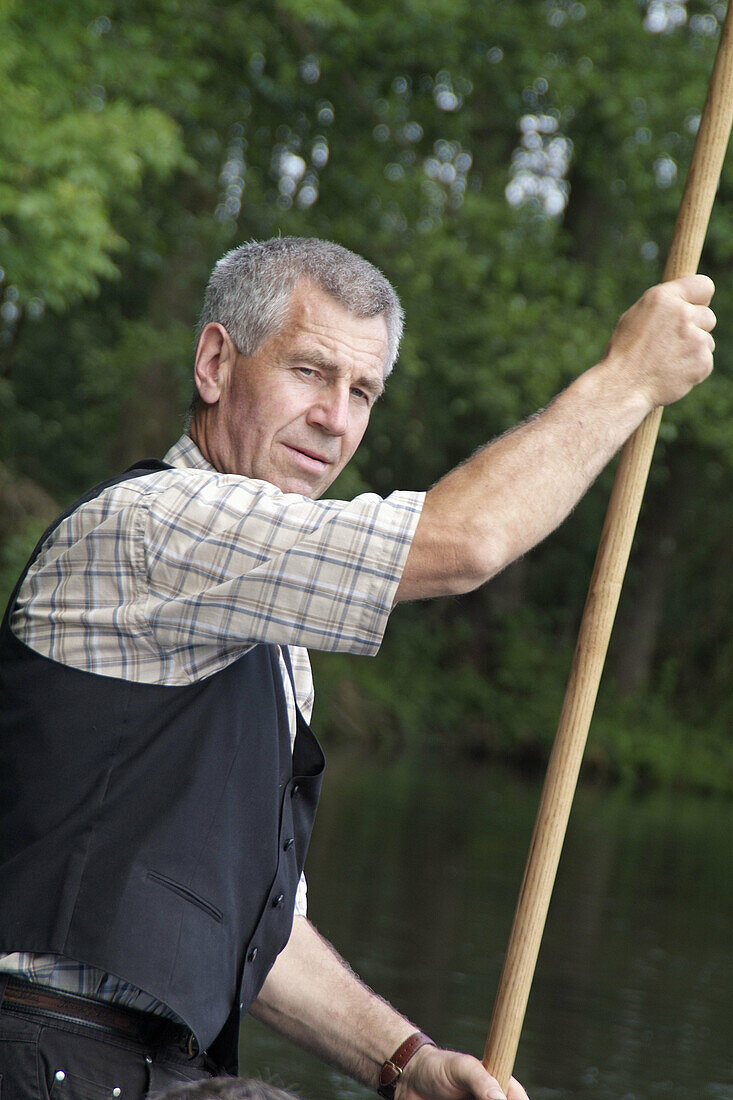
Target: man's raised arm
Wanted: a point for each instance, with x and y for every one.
(514, 491)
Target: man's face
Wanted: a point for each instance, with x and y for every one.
(294, 412)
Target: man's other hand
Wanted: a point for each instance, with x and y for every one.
(435, 1074)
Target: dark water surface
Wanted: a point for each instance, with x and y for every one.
(414, 872)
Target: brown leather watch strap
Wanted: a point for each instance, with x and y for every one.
(393, 1067)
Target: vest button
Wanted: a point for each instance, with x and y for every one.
(252, 955)
(288, 844)
(277, 903)
(294, 792)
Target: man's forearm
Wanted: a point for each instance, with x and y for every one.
(512, 493)
(315, 999)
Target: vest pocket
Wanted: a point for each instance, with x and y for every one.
(187, 895)
(66, 1085)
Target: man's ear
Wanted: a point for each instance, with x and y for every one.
(215, 357)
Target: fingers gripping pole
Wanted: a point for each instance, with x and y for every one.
(602, 601)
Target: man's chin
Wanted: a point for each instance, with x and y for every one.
(306, 482)
(300, 485)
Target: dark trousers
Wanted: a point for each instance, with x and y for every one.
(43, 1058)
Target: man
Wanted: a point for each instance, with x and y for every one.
(167, 615)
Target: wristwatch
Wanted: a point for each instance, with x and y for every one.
(393, 1067)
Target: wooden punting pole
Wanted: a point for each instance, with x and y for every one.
(602, 601)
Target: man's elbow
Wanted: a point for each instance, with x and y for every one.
(457, 561)
(482, 557)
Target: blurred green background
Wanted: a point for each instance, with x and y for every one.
(515, 169)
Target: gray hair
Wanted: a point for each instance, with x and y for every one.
(250, 288)
(224, 1088)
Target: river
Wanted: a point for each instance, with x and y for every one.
(414, 872)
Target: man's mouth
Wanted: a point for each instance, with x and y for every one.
(311, 460)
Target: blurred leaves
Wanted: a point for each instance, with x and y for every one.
(66, 152)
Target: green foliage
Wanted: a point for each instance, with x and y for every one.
(643, 742)
(14, 553)
(515, 169)
(66, 153)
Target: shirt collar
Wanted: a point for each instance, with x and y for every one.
(185, 455)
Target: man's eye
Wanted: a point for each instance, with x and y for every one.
(361, 394)
(307, 372)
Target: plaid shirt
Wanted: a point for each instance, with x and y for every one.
(169, 577)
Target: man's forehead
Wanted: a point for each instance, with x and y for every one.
(317, 317)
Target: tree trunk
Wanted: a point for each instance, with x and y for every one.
(635, 639)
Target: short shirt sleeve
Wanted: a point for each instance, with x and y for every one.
(168, 577)
(231, 561)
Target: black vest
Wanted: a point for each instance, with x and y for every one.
(155, 832)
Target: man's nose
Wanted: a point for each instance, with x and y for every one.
(330, 411)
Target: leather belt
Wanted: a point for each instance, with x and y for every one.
(146, 1027)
